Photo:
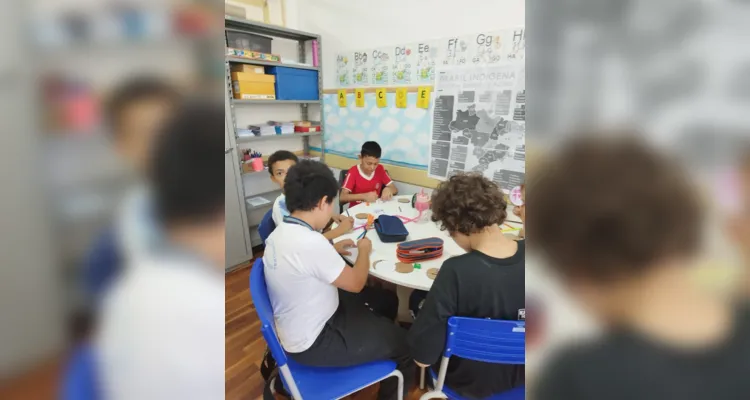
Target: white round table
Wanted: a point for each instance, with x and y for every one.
(386, 269)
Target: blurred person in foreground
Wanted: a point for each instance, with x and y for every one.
(486, 282)
(161, 333)
(739, 227)
(135, 113)
(621, 225)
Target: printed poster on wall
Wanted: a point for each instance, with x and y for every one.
(361, 69)
(415, 63)
(343, 72)
(403, 65)
(479, 122)
(381, 67)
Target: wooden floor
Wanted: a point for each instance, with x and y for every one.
(245, 345)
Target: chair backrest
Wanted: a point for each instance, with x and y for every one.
(262, 303)
(266, 226)
(487, 340)
(342, 177)
(79, 382)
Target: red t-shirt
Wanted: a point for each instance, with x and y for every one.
(357, 183)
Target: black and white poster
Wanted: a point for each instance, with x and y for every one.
(479, 122)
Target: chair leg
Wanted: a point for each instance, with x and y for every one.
(400, 377)
(435, 394)
(422, 371)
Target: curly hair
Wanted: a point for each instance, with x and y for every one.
(468, 203)
(608, 208)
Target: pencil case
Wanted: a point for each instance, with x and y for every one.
(420, 250)
(390, 229)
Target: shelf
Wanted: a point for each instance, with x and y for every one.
(267, 29)
(251, 139)
(269, 63)
(268, 194)
(264, 171)
(263, 101)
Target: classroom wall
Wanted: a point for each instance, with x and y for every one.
(345, 24)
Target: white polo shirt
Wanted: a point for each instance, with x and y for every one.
(300, 267)
(279, 210)
(161, 332)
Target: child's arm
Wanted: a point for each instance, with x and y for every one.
(343, 228)
(346, 196)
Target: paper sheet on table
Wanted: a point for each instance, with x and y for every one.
(355, 254)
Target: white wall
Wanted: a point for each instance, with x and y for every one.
(346, 25)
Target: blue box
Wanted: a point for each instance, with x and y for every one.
(295, 83)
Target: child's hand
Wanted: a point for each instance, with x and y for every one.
(364, 245)
(346, 224)
(342, 246)
(387, 194)
(371, 197)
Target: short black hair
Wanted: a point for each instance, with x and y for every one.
(134, 90)
(307, 183)
(187, 171)
(371, 149)
(281, 155)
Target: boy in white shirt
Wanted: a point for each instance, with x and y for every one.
(278, 166)
(323, 316)
(161, 332)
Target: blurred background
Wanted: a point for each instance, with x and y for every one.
(677, 71)
(62, 181)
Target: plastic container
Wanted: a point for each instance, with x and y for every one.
(248, 41)
(295, 83)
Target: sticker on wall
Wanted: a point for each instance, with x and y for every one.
(359, 97)
(401, 97)
(423, 97)
(342, 98)
(381, 98)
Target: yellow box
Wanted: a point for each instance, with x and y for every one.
(252, 77)
(253, 90)
(252, 69)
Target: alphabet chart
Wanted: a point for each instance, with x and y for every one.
(415, 63)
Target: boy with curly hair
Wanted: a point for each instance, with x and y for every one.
(486, 282)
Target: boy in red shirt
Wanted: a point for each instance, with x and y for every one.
(367, 181)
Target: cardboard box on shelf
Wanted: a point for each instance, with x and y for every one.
(246, 85)
(252, 69)
(249, 76)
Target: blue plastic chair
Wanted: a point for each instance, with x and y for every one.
(485, 340)
(266, 226)
(324, 383)
(79, 382)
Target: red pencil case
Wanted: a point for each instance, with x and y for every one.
(419, 250)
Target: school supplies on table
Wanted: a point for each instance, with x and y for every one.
(419, 250)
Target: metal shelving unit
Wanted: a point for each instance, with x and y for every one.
(253, 139)
(232, 24)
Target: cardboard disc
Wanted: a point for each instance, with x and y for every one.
(432, 273)
(404, 200)
(361, 215)
(404, 268)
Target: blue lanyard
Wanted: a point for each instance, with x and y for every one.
(292, 220)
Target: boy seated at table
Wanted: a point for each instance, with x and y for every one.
(367, 181)
(278, 166)
(325, 316)
(486, 282)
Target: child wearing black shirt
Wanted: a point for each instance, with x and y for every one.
(621, 225)
(486, 282)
